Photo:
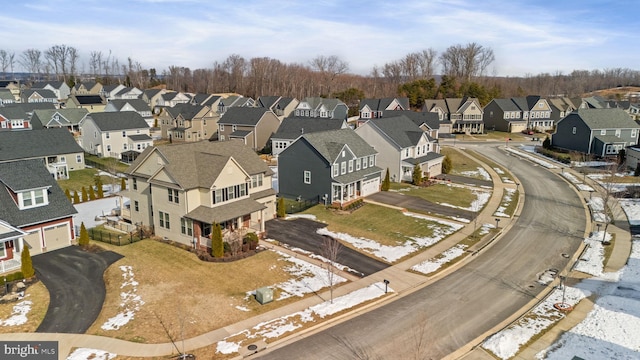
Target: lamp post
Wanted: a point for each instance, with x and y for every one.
(598, 226)
(562, 279)
(386, 285)
(497, 222)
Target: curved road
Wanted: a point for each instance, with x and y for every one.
(458, 308)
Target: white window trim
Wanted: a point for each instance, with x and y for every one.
(307, 177)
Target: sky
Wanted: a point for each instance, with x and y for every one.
(527, 37)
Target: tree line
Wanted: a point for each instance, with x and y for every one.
(459, 70)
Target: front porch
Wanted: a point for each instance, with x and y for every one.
(468, 127)
(7, 266)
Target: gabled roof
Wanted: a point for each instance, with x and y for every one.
(87, 85)
(198, 164)
(383, 103)
(562, 104)
(12, 113)
(507, 104)
(211, 100)
(71, 116)
(316, 102)
(243, 115)
(283, 102)
(127, 90)
(604, 119)
(45, 93)
(267, 101)
(432, 103)
(110, 121)
(35, 173)
(430, 119)
(401, 130)
(532, 100)
(330, 143)
(151, 92)
(292, 127)
(43, 84)
(5, 83)
(5, 94)
(521, 103)
(188, 111)
(29, 108)
(15, 145)
(136, 104)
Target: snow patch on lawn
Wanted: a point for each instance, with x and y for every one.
(18, 315)
(90, 354)
(130, 304)
(432, 265)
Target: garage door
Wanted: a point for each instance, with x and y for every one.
(57, 237)
(370, 187)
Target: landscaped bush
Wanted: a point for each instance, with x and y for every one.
(251, 239)
(11, 277)
(559, 156)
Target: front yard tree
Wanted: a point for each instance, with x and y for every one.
(98, 181)
(27, 266)
(92, 193)
(386, 183)
(83, 240)
(67, 193)
(330, 250)
(217, 247)
(76, 197)
(546, 144)
(417, 175)
(447, 165)
(281, 209)
(85, 197)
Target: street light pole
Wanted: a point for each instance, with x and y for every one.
(497, 222)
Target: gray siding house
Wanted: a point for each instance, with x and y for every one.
(601, 132)
(335, 167)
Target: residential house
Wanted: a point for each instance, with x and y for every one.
(333, 167)
(127, 93)
(634, 111)
(170, 99)
(6, 97)
(182, 189)
(209, 100)
(109, 91)
(318, 107)
(504, 115)
(234, 101)
(93, 103)
(120, 135)
(282, 106)
(292, 128)
(151, 97)
(66, 118)
(13, 86)
(59, 88)
(253, 125)
(86, 88)
(34, 211)
(560, 107)
(138, 105)
(465, 114)
(56, 146)
(187, 122)
(39, 96)
(13, 118)
(632, 157)
(428, 122)
(401, 146)
(375, 108)
(538, 114)
(599, 132)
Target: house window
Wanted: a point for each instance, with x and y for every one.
(134, 184)
(343, 167)
(32, 198)
(124, 146)
(173, 196)
(364, 163)
(371, 163)
(350, 165)
(108, 147)
(164, 220)
(186, 226)
(357, 164)
(406, 153)
(221, 137)
(78, 158)
(221, 127)
(136, 206)
(62, 160)
(95, 134)
(603, 132)
(124, 134)
(234, 127)
(540, 105)
(634, 132)
(336, 170)
(617, 132)
(106, 135)
(573, 130)
(307, 177)
(256, 180)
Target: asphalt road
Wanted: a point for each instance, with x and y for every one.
(301, 233)
(453, 311)
(418, 204)
(74, 279)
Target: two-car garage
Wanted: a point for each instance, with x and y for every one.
(49, 237)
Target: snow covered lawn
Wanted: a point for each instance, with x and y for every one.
(130, 304)
(88, 354)
(272, 329)
(441, 229)
(18, 315)
(535, 159)
(507, 198)
(480, 173)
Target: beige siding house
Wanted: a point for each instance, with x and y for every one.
(182, 189)
(252, 125)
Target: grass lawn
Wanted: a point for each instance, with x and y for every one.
(385, 225)
(39, 297)
(113, 164)
(461, 163)
(439, 193)
(79, 178)
(184, 293)
(496, 135)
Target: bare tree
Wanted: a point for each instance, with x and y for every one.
(465, 62)
(353, 351)
(31, 61)
(235, 241)
(330, 250)
(4, 62)
(329, 67)
(427, 61)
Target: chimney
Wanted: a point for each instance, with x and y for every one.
(301, 130)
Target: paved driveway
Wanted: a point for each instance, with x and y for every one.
(74, 280)
(418, 204)
(301, 233)
(465, 180)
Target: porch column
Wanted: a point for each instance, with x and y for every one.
(261, 221)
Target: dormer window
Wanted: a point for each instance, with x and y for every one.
(32, 198)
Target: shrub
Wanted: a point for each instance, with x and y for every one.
(27, 266)
(67, 193)
(386, 183)
(281, 208)
(123, 184)
(83, 240)
(217, 247)
(252, 240)
(447, 165)
(92, 194)
(85, 197)
(76, 198)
